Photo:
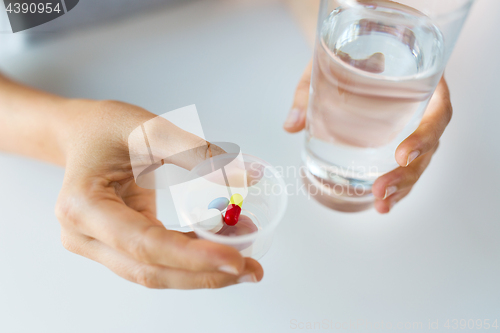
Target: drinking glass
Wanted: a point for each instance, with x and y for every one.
(376, 65)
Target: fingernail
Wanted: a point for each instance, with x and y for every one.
(293, 118)
(229, 269)
(390, 191)
(413, 155)
(248, 278)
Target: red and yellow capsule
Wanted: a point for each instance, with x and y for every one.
(234, 209)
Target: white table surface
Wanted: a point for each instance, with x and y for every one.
(435, 257)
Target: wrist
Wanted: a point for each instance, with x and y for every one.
(62, 127)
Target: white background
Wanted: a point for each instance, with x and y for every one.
(435, 257)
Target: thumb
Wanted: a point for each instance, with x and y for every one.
(296, 119)
(158, 141)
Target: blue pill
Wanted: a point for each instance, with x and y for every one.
(219, 203)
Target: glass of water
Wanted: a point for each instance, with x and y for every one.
(376, 66)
